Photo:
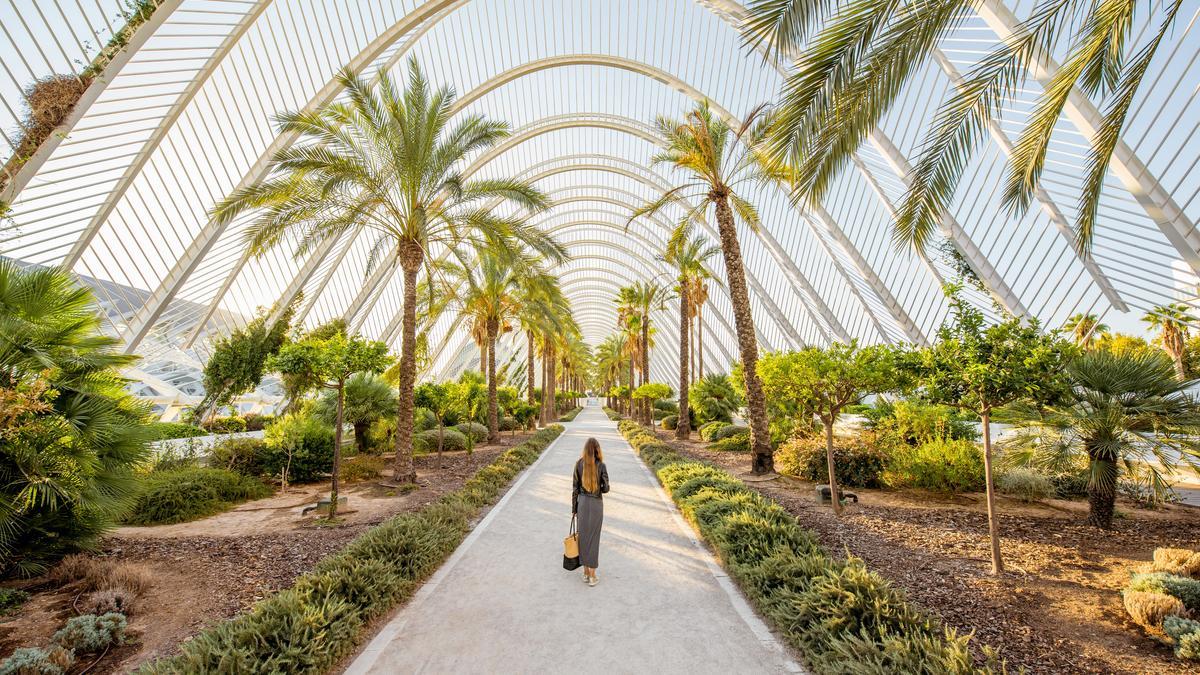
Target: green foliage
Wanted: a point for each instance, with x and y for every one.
(652, 391)
(367, 399)
(1184, 588)
(713, 399)
(70, 435)
(477, 432)
(1026, 485)
(89, 633)
(257, 422)
(858, 460)
(224, 425)
(728, 431)
(707, 429)
(667, 405)
(938, 465)
(187, 494)
(453, 440)
(570, 415)
(524, 413)
(300, 446)
(915, 422)
(245, 456)
(311, 626)
(735, 443)
(835, 613)
(10, 599)
(53, 660)
(239, 358)
(670, 422)
(424, 419)
(162, 431)
(362, 467)
(1186, 635)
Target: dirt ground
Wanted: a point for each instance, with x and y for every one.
(211, 569)
(1056, 609)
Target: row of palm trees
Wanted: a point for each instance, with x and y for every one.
(1172, 321)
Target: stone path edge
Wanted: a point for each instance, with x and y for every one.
(367, 657)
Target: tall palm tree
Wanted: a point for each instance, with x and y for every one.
(387, 159)
(853, 60)
(688, 254)
(719, 162)
(542, 310)
(647, 296)
(609, 361)
(1085, 328)
(1127, 412)
(1172, 323)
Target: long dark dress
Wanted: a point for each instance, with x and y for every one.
(590, 510)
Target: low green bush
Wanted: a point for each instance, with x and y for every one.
(858, 460)
(225, 425)
(243, 455)
(613, 415)
(53, 660)
(163, 431)
(257, 422)
(1025, 484)
(509, 424)
(362, 467)
(453, 440)
(570, 416)
(670, 422)
(667, 405)
(187, 494)
(937, 465)
(841, 616)
(1184, 588)
(301, 445)
(424, 419)
(1185, 635)
(475, 430)
(88, 634)
(11, 599)
(320, 619)
(914, 422)
(707, 430)
(729, 431)
(735, 443)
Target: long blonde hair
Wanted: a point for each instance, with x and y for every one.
(592, 456)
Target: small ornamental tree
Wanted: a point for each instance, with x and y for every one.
(469, 396)
(332, 361)
(979, 368)
(650, 392)
(436, 397)
(239, 360)
(823, 382)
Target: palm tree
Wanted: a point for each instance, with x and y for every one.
(688, 254)
(853, 61)
(719, 161)
(609, 361)
(367, 398)
(1127, 412)
(647, 296)
(1172, 323)
(1085, 328)
(542, 309)
(388, 160)
(70, 435)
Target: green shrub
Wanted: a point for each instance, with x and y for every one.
(301, 445)
(89, 633)
(843, 617)
(1185, 634)
(914, 422)
(162, 431)
(475, 430)
(667, 405)
(729, 431)
(246, 456)
(735, 443)
(225, 425)
(613, 415)
(938, 465)
(1070, 485)
(362, 467)
(1025, 484)
(257, 422)
(570, 416)
(658, 415)
(858, 460)
(311, 626)
(509, 424)
(53, 660)
(707, 429)
(670, 422)
(713, 398)
(1184, 588)
(453, 440)
(424, 419)
(187, 494)
(10, 599)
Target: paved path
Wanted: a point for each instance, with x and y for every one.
(503, 603)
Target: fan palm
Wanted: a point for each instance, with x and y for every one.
(70, 435)
(688, 254)
(853, 59)
(1127, 412)
(608, 362)
(1085, 328)
(1172, 323)
(719, 161)
(388, 160)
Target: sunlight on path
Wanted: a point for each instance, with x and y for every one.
(503, 603)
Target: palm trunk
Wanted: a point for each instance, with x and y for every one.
(700, 340)
(551, 403)
(993, 525)
(760, 444)
(403, 470)
(1102, 491)
(835, 494)
(529, 364)
(360, 436)
(337, 448)
(632, 386)
(493, 326)
(683, 425)
(646, 403)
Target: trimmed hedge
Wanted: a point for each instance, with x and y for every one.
(612, 414)
(841, 616)
(670, 422)
(475, 430)
(453, 440)
(163, 431)
(729, 431)
(570, 417)
(707, 429)
(310, 626)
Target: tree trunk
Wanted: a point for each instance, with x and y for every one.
(403, 471)
(835, 494)
(493, 327)
(360, 436)
(683, 425)
(551, 381)
(647, 403)
(700, 340)
(632, 386)
(760, 439)
(337, 448)
(993, 525)
(1102, 491)
(529, 365)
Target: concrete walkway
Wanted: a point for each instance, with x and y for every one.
(503, 604)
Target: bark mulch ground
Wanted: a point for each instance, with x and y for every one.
(1056, 609)
(202, 580)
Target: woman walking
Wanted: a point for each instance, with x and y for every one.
(587, 503)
